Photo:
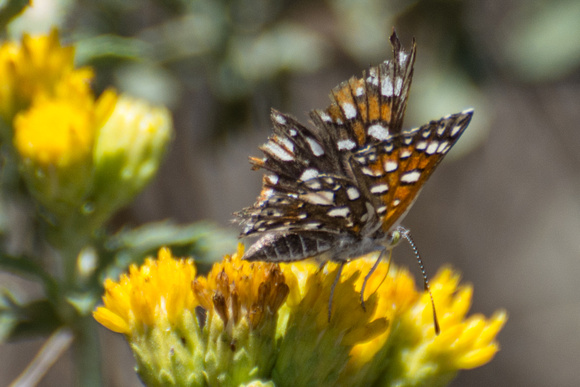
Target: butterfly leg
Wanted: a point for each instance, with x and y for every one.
(332, 289)
(362, 291)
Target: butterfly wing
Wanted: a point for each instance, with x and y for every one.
(354, 172)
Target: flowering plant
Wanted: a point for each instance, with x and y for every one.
(246, 323)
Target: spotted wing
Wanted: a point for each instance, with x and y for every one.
(370, 109)
(393, 172)
(311, 181)
(305, 188)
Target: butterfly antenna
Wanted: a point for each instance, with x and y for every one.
(332, 289)
(406, 234)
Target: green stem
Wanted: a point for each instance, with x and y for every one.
(87, 353)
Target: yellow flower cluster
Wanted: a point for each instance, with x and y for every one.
(158, 292)
(38, 67)
(76, 151)
(236, 290)
(257, 321)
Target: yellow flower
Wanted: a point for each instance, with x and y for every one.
(157, 293)
(129, 147)
(258, 323)
(216, 330)
(235, 290)
(241, 300)
(311, 343)
(415, 355)
(55, 140)
(38, 65)
(154, 307)
(464, 343)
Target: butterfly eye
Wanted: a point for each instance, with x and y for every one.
(393, 238)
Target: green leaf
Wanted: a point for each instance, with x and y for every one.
(204, 241)
(10, 10)
(37, 318)
(110, 46)
(27, 267)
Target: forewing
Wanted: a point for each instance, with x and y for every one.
(392, 173)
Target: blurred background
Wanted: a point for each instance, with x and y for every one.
(504, 207)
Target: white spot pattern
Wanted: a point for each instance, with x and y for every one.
(379, 132)
(432, 148)
(411, 177)
(391, 166)
(349, 110)
(339, 212)
(278, 151)
(455, 130)
(379, 189)
(315, 147)
(398, 85)
(352, 193)
(387, 87)
(347, 144)
(323, 198)
(308, 174)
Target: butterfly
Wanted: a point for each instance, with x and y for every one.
(339, 189)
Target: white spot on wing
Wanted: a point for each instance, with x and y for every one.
(371, 172)
(349, 110)
(308, 174)
(421, 145)
(379, 189)
(432, 148)
(372, 78)
(280, 119)
(325, 117)
(411, 177)
(313, 184)
(455, 130)
(352, 193)
(315, 147)
(279, 152)
(347, 144)
(379, 132)
(398, 85)
(339, 212)
(403, 57)
(273, 179)
(267, 193)
(293, 132)
(286, 142)
(442, 146)
(405, 153)
(391, 166)
(387, 87)
(323, 198)
(360, 91)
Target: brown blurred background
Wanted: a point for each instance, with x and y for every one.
(504, 208)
